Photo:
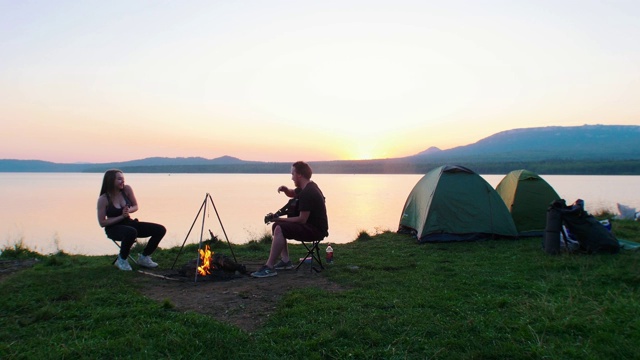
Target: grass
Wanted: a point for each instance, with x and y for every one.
(483, 300)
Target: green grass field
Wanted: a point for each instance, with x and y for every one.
(500, 299)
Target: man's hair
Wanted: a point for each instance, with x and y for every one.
(108, 181)
(303, 169)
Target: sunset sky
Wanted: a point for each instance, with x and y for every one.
(271, 80)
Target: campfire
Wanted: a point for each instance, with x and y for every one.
(205, 260)
(212, 266)
(208, 264)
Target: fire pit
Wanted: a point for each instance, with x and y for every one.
(211, 267)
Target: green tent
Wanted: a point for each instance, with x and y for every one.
(527, 197)
(453, 203)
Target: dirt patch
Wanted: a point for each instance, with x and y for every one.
(243, 301)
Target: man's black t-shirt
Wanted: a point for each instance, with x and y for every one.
(311, 199)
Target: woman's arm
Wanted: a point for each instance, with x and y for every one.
(132, 198)
(102, 213)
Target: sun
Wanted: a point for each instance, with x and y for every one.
(362, 142)
(362, 152)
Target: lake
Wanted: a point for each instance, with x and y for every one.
(51, 211)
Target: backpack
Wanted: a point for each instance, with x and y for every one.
(590, 233)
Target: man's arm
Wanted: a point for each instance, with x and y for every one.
(302, 218)
(289, 192)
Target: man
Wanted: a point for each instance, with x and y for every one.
(311, 223)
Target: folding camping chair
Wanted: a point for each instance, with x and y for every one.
(313, 251)
(118, 245)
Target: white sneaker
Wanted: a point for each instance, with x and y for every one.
(123, 264)
(146, 261)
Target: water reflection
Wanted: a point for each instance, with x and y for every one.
(50, 211)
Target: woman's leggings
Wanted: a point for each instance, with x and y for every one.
(129, 232)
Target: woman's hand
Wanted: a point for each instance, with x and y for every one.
(125, 212)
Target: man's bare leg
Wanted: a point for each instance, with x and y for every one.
(279, 248)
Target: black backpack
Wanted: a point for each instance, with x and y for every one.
(588, 231)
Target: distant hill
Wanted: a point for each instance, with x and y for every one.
(10, 165)
(155, 161)
(545, 143)
(587, 149)
(162, 162)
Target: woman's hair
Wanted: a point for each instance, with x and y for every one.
(109, 181)
(303, 169)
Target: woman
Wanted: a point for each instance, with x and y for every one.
(115, 205)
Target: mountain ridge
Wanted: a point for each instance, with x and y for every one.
(553, 142)
(594, 148)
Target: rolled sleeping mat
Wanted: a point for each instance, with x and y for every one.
(552, 231)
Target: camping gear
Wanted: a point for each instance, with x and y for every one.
(313, 252)
(627, 212)
(606, 223)
(527, 196)
(453, 203)
(628, 245)
(590, 233)
(203, 209)
(551, 240)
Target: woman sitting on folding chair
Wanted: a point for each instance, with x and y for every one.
(115, 205)
(310, 224)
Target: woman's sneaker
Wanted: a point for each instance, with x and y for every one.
(281, 265)
(123, 264)
(264, 271)
(146, 261)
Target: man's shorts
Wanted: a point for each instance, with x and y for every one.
(300, 232)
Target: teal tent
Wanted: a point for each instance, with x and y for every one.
(527, 196)
(453, 203)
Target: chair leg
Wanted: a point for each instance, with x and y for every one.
(116, 259)
(313, 250)
(317, 247)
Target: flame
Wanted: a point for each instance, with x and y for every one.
(205, 261)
